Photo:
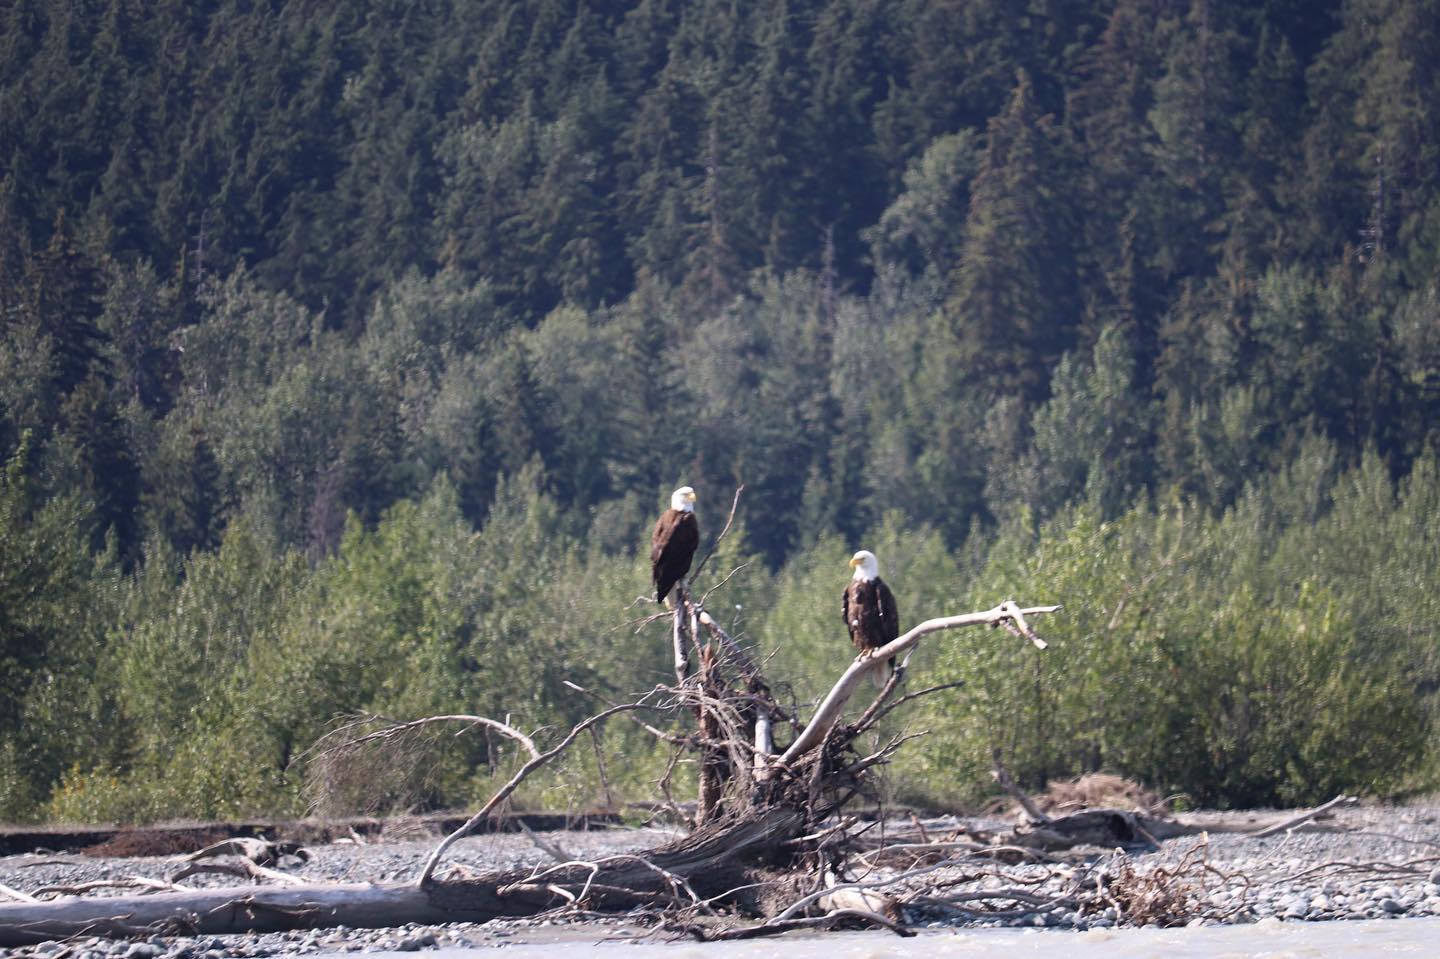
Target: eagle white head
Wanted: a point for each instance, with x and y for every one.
(865, 565)
(683, 499)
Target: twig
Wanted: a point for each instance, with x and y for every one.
(17, 894)
(1392, 836)
(143, 883)
(671, 738)
(540, 759)
(775, 927)
(1292, 822)
(553, 850)
(1007, 783)
(919, 850)
(716, 543)
(877, 711)
(825, 834)
(879, 756)
(244, 869)
(1413, 867)
(728, 576)
(394, 729)
(819, 894)
(733, 649)
(600, 770)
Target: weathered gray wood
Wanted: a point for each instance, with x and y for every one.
(711, 860)
(834, 702)
(1305, 817)
(225, 909)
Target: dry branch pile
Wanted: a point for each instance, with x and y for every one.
(766, 841)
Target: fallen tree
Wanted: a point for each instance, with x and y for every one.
(767, 842)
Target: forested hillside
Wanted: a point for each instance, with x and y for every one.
(351, 348)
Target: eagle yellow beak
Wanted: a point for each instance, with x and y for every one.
(854, 561)
(690, 497)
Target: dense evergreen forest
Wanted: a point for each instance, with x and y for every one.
(351, 348)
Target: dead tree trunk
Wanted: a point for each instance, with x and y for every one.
(714, 860)
(714, 768)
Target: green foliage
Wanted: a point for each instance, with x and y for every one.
(347, 352)
(55, 601)
(1192, 657)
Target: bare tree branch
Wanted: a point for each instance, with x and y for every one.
(1007, 783)
(1305, 817)
(830, 708)
(776, 926)
(392, 729)
(504, 792)
(553, 850)
(242, 870)
(715, 544)
(16, 894)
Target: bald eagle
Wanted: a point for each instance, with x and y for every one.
(868, 607)
(672, 544)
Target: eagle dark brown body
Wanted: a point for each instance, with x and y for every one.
(672, 548)
(869, 611)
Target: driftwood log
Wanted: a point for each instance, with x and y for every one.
(765, 827)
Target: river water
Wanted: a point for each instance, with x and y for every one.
(1272, 939)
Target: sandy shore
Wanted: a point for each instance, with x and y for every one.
(1366, 862)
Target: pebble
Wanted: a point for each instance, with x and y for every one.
(1271, 895)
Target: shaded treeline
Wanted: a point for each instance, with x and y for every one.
(1129, 305)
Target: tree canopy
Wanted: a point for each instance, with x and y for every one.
(279, 280)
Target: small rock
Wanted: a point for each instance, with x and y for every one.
(142, 950)
(1392, 906)
(408, 945)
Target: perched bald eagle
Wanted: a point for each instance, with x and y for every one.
(868, 607)
(672, 545)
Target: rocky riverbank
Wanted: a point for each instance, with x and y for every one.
(1367, 862)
